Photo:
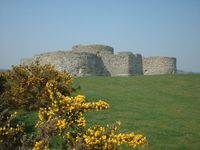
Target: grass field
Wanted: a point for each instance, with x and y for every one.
(164, 108)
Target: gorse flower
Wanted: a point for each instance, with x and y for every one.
(81, 122)
(40, 145)
(61, 124)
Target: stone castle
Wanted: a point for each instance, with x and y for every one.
(100, 60)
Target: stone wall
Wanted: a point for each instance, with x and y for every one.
(94, 49)
(100, 60)
(117, 65)
(159, 65)
(79, 64)
(123, 64)
(136, 65)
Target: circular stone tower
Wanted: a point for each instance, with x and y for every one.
(159, 65)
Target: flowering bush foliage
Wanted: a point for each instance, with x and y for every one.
(10, 135)
(26, 85)
(98, 137)
(64, 117)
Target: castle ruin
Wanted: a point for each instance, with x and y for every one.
(100, 60)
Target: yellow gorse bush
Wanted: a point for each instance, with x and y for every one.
(98, 137)
(25, 86)
(67, 111)
(65, 117)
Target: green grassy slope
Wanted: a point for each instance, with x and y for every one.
(165, 108)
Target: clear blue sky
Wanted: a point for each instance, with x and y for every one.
(149, 27)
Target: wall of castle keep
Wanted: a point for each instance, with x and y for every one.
(79, 64)
(159, 65)
(100, 60)
(117, 65)
(94, 49)
(123, 64)
(136, 65)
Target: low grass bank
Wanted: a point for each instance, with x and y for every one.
(165, 108)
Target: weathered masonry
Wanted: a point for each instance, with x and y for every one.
(100, 60)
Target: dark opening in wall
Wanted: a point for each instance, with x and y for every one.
(98, 53)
